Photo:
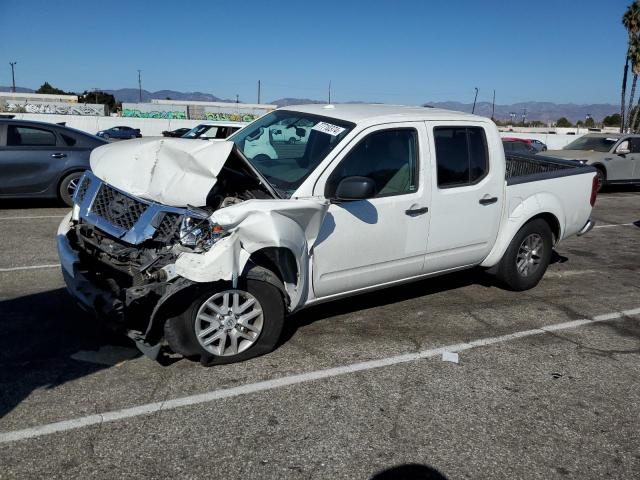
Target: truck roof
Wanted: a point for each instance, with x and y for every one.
(366, 113)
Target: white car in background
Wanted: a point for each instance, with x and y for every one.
(214, 131)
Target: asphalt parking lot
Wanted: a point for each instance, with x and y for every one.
(546, 385)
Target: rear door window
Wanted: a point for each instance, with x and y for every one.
(461, 155)
(18, 136)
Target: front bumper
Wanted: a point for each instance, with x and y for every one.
(127, 311)
(587, 227)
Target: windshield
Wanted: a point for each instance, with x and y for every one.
(597, 144)
(285, 147)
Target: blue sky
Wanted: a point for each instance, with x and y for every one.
(389, 51)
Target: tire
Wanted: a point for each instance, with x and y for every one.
(519, 269)
(188, 332)
(106, 136)
(67, 186)
(292, 140)
(602, 177)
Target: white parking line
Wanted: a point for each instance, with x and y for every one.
(30, 267)
(31, 217)
(616, 225)
(211, 396)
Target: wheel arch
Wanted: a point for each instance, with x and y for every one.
(544, 205)
(275, 265)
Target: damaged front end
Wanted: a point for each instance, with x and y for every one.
(118, 254)
(131, 258)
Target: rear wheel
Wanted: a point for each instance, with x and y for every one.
(527, 256)
(227, 325)
(601, 175)
(68, 187)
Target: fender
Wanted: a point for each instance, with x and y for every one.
(254, 225)
(520, 211)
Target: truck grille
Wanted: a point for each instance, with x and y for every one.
(117, 208)
(169, 229)
(82, 189)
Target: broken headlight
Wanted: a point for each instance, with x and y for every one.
(198, 233)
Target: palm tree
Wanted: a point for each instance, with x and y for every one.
(631, 21)
(634, 57)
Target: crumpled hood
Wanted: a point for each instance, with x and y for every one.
(573, 154)
(172, 171)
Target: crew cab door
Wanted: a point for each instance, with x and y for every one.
(468, 185)
(382, 239)
(29, 159)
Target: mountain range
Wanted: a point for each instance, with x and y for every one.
(543, 111)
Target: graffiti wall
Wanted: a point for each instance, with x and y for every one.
(56, 108)
(150, 110)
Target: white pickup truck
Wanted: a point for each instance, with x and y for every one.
(202, 249)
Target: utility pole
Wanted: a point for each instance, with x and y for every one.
(237, 98)
(258, 92)
(13, 75)
(474, 101)
(524, 116)
(493, 105)
(139, 87)
(95, 92)
(329, 92)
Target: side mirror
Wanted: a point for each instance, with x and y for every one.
(301, 132)
(355, 188)
(622, 151)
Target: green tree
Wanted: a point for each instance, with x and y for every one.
(98, 97)
(47, 88)
(563, 122)
(631, 21)
(612, 120)
(589, 123)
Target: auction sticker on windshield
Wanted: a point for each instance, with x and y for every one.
(328, 128)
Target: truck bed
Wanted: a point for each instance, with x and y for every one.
(522, 168)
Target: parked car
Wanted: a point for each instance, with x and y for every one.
(211, 131)
(121, 132)
(42, 160)
(616, 156)
(178, 132)
(538, 145)
(516, 145)
(209, 250)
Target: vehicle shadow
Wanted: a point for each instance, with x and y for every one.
(409, 471)
(26, 203)
(383, 297)
(38, 335)
(619, 189)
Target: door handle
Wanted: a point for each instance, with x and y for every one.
(58, 155)
(488, 200)
(413, 212)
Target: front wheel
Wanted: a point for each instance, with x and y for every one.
(527, 256)
(228, 325)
